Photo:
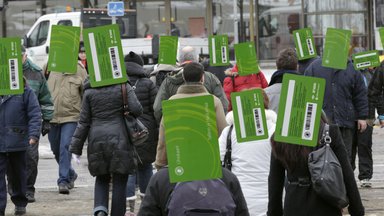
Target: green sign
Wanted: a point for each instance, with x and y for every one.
(336, 48)
(218, 50)
(381, 33)
(168, 50)
(367, 59)
(104, 55)
(305, 45)
(64, 49)
(191, 139)
(246, 58)
(300, 106)
(249, 115)
(11, 67)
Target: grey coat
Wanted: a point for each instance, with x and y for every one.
(101, 120)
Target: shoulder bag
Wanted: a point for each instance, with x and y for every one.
(137, 132)
(327, 174)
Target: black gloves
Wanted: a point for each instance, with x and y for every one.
(45, 128)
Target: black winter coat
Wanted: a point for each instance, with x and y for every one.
(159, 188)
(102, 121)
(345, 97)
(303, 200)
(376, 92)
(146, 92)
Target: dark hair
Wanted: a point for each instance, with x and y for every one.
(193, 72)
(287, 59)
(294, 155)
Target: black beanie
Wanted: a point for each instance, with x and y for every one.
(133, 57)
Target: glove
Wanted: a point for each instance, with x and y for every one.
(76, 158)
(46, 127)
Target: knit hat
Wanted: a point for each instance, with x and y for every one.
(81, 47)
(133, 57)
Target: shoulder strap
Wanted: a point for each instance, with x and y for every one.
(228, 152)
(125, 101)
(233, 81)
(326, 138)
(134, 86)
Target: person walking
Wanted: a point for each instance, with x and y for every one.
(235, 83)
(173, 81)
(20, 118)
(289, 170)
(67, 91)
(376, 94)
(145, 91)
(193, 76)
(345, 99)
(286, 62)
(110, 153)
(250, 161)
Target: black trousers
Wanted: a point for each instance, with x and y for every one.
(362, 145)
(16, 162)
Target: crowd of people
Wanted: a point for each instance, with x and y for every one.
(74, 115)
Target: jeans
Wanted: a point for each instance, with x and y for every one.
(347, 134)
(60, 137)
(101, 196)
(363, 144)
(143, 175)
(15, 161)
(32, 164)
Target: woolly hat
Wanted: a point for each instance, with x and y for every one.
(81, 47)
(133, 57)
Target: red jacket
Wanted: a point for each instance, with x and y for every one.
(242, 82)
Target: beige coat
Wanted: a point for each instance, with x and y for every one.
(67, 90)
(184, 91)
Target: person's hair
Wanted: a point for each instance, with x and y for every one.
(294, 155)
(193, 72)
(287, 59)
(188, 54)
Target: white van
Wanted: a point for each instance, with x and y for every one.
(38, 37)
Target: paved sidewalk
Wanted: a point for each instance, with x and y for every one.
(80, 201)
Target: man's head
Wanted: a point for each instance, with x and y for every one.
(193, 72)
(287, 59)
(133, 57)
(188, 54)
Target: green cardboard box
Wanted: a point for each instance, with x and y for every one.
(246, 58)
(191, 139)
(168, 50)
(336, 48)
(104, 55)
(11, 67)
(305, 44)
(367, 59)
(300, 106)
(218, 50)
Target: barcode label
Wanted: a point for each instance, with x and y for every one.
(13, 74)
(258, 122)
(363, 64)
(309, 121)
(224, 54)
(310, 47)
(115, 62)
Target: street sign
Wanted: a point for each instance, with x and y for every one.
(116, 8)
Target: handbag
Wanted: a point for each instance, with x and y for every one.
(326, 173)
(227, 162)
(137, 132)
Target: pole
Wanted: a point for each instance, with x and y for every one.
(209, 17)
(167, 16)
(235, 22)
(251, 21)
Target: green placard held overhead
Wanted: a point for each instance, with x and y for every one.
(11, 67)
(246, 58)
(336, 48)
(304, 42)
(218, 50)
(249, 115)
(64, 49)
(168, 50)
(191, 139)
(300, 106)
(104, 55)
(367, 59)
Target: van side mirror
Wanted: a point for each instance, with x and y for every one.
(24, 41)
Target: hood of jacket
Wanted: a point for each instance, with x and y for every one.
(163, 67)
(277, 77)
(134, 69)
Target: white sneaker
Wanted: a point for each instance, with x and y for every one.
(365, 183)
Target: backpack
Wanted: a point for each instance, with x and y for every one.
(197, 198)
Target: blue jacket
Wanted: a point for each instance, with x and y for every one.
(345, 98)
(20, 120)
